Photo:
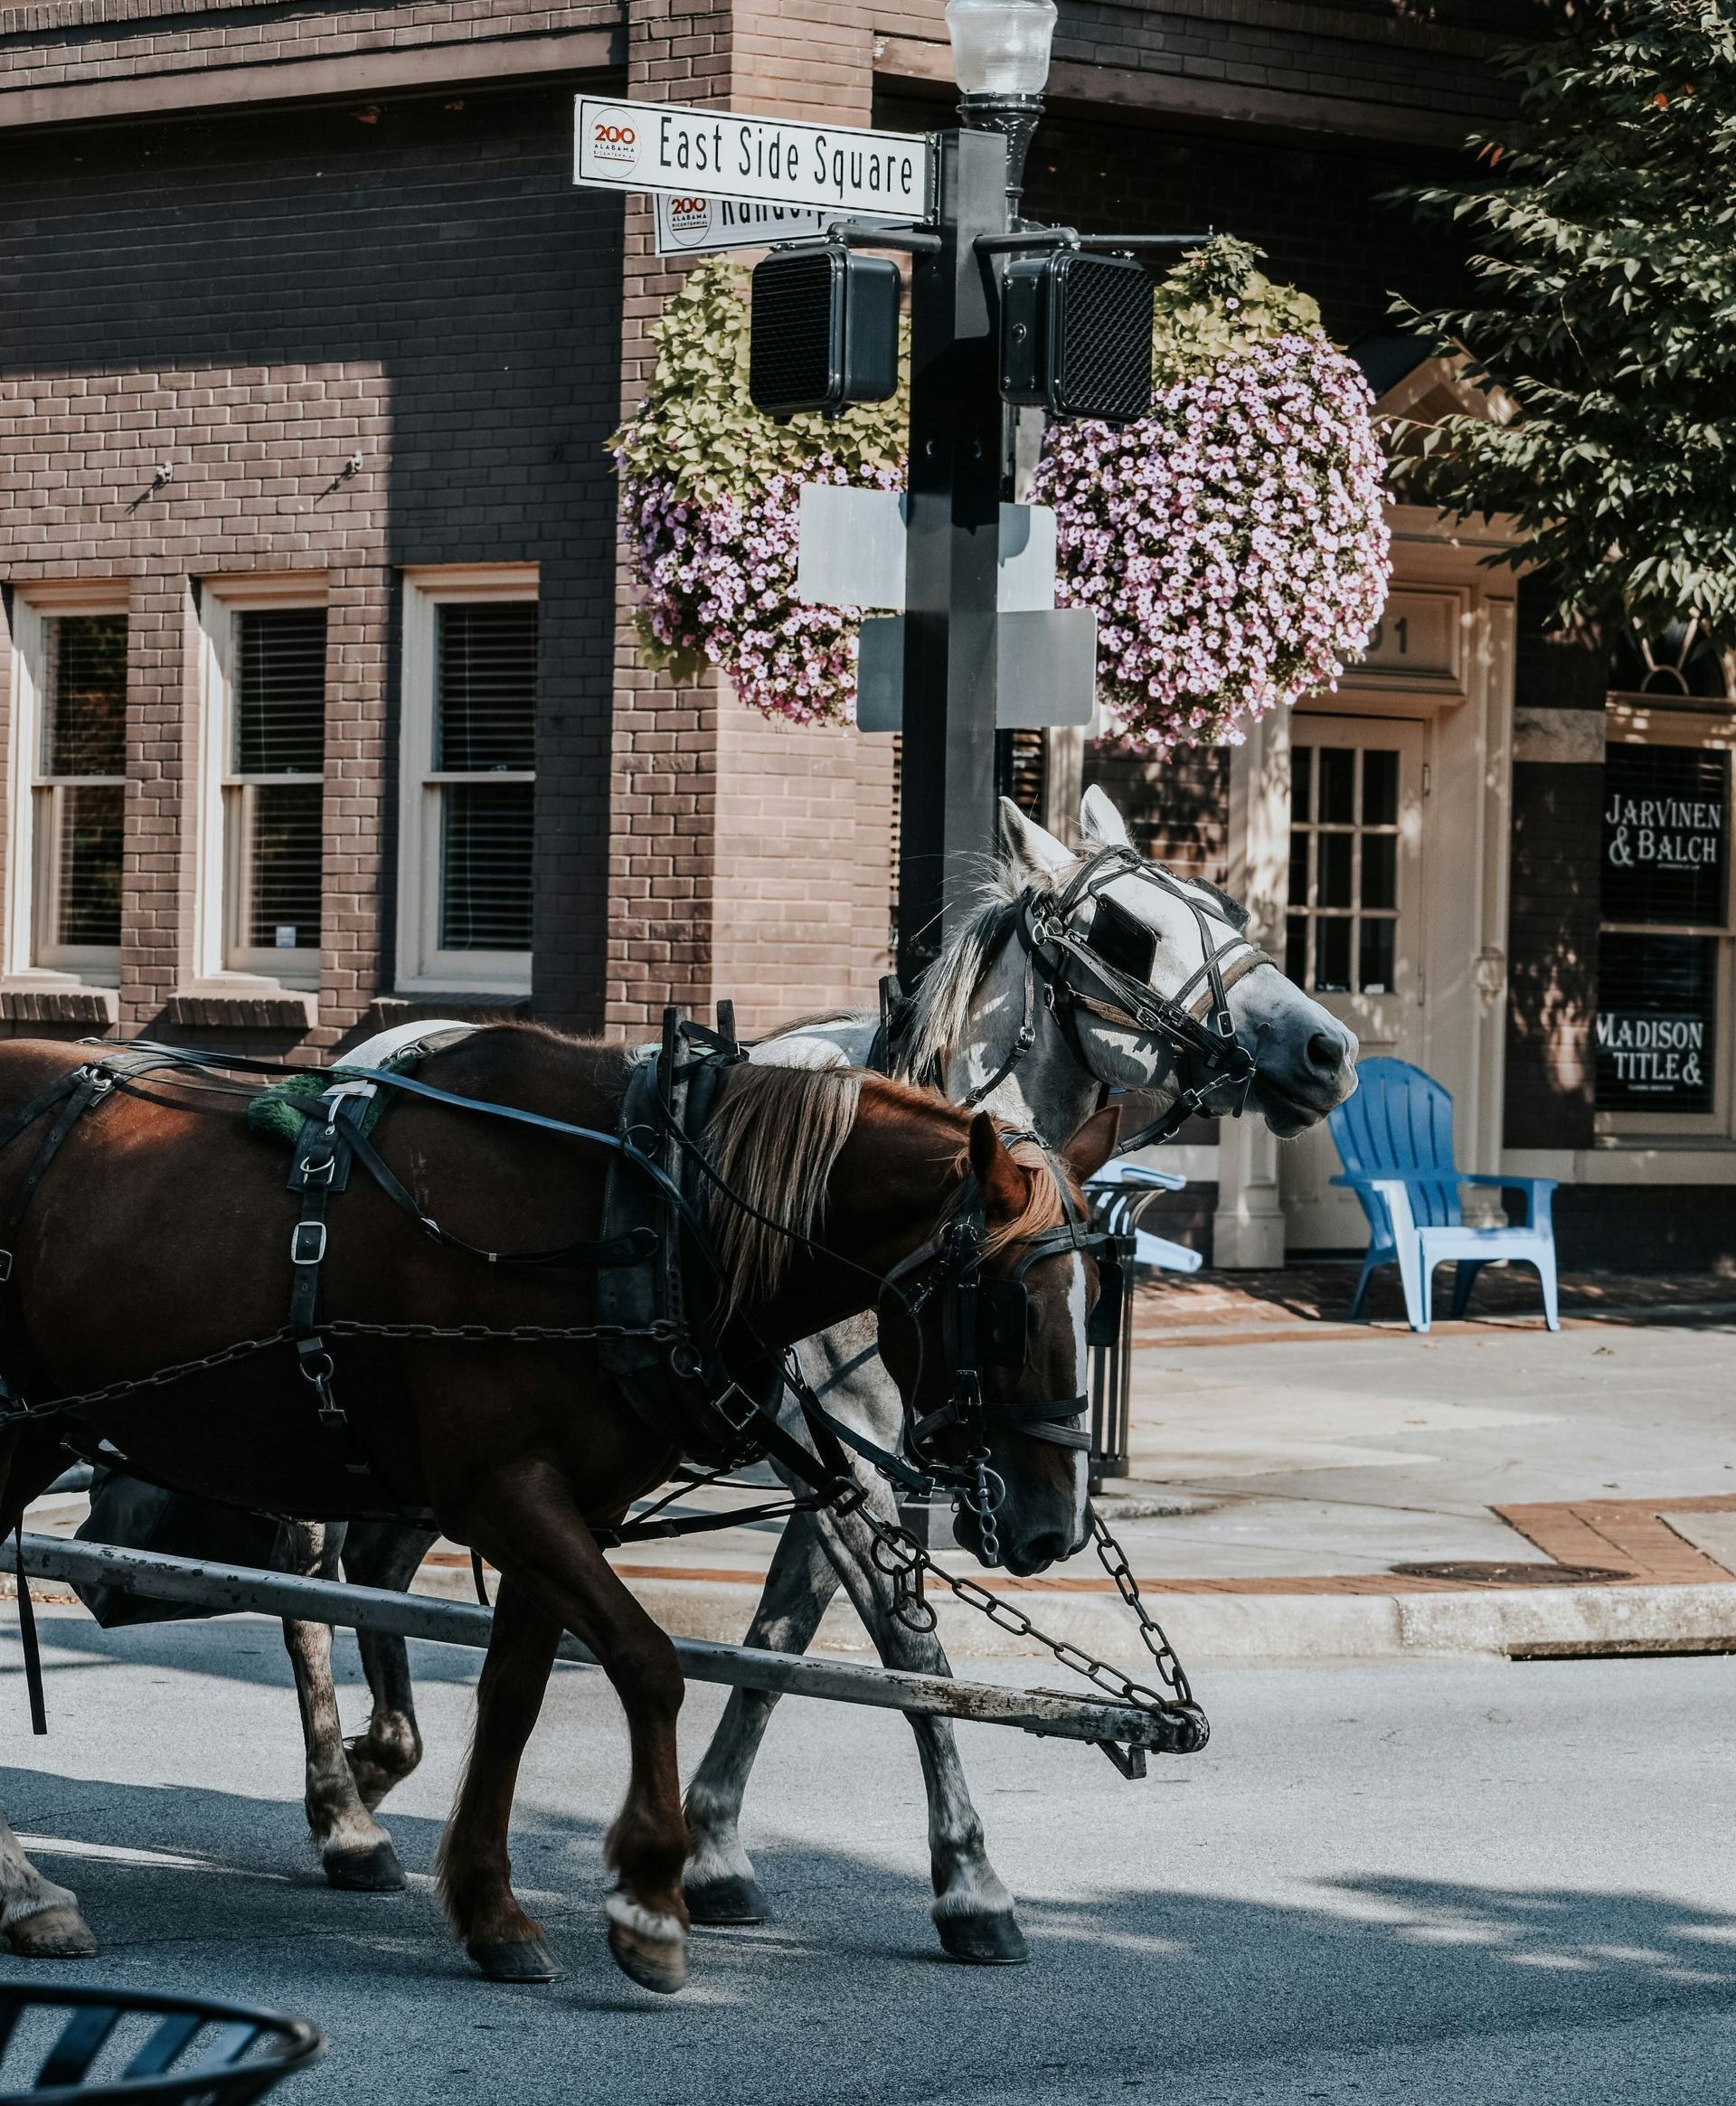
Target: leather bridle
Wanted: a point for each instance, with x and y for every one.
(950, 1264)
(1069, 973)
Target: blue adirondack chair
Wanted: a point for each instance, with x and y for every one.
(1396, 1138)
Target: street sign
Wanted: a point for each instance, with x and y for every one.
(695, 226)
(658, 145)
(1046, 670)
(851, 551)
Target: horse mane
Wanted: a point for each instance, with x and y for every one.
(941, 1009)
(1042, 1207)
(773, 1139)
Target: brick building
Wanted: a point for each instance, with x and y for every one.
(309, 351)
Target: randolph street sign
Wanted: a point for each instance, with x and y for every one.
(658, 145)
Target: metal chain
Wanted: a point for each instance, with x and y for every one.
(14, 1411)
(1113, 1561)
(1174, 1705)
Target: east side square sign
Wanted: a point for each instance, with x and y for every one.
(657, 146)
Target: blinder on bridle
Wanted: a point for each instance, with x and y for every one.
(1002, 1311)
(1107, 972)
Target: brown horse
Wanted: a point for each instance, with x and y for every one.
(160, 1233)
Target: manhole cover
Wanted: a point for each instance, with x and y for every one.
(1496, 1574)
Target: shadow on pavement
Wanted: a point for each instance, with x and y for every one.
(843, 1997)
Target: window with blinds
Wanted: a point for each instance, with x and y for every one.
(273, 790)
(482, 774)
(79, 793)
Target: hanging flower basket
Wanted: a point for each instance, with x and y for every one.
(710, 491)
(1232, 542)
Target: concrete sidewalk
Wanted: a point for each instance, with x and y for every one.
(1302, 1488)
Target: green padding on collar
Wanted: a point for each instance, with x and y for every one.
(273, 1113)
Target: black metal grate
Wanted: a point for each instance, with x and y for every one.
(110, 2044)
(1100, 341)
(790, 364)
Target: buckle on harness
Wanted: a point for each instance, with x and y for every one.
(318, 1171)
(5, 1267)
(308, 1243)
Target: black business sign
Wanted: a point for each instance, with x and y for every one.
(1665, 835)
(1656, 1019)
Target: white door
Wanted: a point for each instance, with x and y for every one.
(1352, 930)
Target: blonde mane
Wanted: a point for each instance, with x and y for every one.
(774, 1139)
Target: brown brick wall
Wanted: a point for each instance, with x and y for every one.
(251, 303)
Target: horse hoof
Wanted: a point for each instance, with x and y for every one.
(988, 1940)
(518, 1959)
(729, 1900)
(375, 1870)
(649, 1948)
(56, 1933)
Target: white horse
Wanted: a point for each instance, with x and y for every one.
(969, 1011)
(967, 1020)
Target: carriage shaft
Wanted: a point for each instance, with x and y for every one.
(228, 1589)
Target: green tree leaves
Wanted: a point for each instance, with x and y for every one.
(1604, 221)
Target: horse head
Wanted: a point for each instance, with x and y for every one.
(1161, 931)
(990, 1359)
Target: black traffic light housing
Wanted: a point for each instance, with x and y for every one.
(825, 330)
(1076, 336)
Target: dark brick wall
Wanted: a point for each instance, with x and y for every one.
(252, 301)
(59, 44)
(1552, 920)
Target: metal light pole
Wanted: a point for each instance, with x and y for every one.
(959, 430)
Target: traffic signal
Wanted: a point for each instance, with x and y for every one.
(825, 330)
(1076, 336)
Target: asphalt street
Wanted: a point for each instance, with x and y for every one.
(1491, 1882)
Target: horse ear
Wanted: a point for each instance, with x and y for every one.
(1099, 821)
(1093, 1146)
(996, 1170)
(1031, 848)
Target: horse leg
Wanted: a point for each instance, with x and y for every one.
(39, 1918)
(377, 1554)
(475, 1873)
(973, 1912)
(356, 1851)
(719, 1882)
(545, 1548)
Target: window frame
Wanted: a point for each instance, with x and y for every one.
(225, 796)
(424, 966)
(1704, 726)
(34, 845)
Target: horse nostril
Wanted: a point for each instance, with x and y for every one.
(1325, 1052)
(1047, 1549)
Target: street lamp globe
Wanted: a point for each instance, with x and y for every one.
(1000, 48)
(1000, 60)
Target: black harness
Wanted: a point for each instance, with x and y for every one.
(1107, 973)
(670, 1364)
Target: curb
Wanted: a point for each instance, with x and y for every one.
(1519, 1623)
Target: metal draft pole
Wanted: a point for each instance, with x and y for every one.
(956, 444)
